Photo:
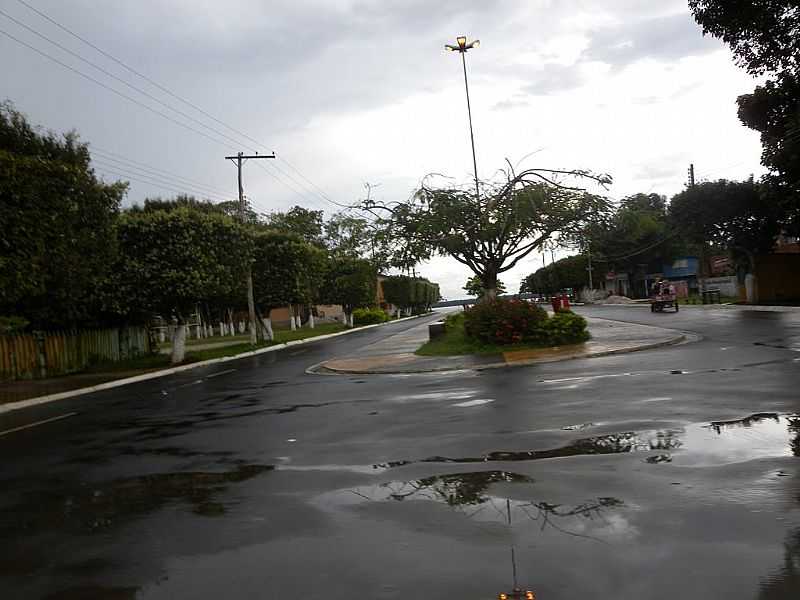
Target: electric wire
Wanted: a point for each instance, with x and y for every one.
(316, 191)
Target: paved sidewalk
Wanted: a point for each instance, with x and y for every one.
(396, 353)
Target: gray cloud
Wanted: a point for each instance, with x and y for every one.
(664, 38)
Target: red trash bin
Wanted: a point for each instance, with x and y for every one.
(565, 302)
(555, 302)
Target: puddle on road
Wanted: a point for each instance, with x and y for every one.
(762, 435)
(95, 507)
(468, 493)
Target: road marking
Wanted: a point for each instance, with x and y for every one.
(37, 423)
(473, 403)
(221, 373)
(196, 382)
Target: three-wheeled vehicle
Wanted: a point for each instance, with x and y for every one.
(663, 296)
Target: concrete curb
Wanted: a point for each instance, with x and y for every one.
(682, 337)
(11, 406)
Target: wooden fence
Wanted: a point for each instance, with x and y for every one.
(44, 354)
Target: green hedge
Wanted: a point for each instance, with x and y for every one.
(369, 316)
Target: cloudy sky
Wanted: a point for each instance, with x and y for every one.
(349, 92)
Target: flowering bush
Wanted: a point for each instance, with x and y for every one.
(505, 322)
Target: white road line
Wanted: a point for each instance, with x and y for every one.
(221, 373)
(473, 403)
(37, 423)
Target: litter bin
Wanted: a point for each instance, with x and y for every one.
(555, 302)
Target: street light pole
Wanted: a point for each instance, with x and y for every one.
(462, 47)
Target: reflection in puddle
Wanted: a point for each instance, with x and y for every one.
(762, 435)
(95, 507)
(467, 493)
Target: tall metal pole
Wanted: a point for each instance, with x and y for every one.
(471, 134)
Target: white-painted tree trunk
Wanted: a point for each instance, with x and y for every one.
(299, 321)
(311, 323)
(348, 319)
(179, 344)
(268, 326)
(197, 332)
(292, 323)
(162, 335)
(221, 328)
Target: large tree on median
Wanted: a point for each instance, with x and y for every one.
(170, 261)
(492, 233)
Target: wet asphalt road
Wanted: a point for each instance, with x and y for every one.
(670, 473)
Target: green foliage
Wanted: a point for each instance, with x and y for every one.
(568, 272)
(350, 282)
(369, 316)
(300, 221)
(734, 215)
(57, 224)
(404, 292)
(13, 324)
(505, 322)
(286, 270)
(171, 260)
(565, 327)
(492, 233)
(764, 38)
(474, 287)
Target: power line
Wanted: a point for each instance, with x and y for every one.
(321, 192)
(137, 172)
(317, 190)
(116, 78)
(109, 88)
(287, 186)
(135, 72)
(141, 179)
(125, 162)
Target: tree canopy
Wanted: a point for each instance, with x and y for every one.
(490, 234)
(735, 215)
(308, 224)
(57, 222)
(765, 39)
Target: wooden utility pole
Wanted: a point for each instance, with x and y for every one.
(251, 303)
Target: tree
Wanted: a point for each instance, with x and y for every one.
(172, 260)
(287, 271)
(302, 222)
(734, 215)
(568, 272)
(350, 282)
(57, 223)
(492, 233)
(415, 293)
(763, 36)
(636, 236)
(474, 287)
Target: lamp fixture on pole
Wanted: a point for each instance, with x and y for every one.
(463, 46)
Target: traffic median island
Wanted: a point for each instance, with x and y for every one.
(607, 337)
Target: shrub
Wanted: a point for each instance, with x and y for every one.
(565, 327)
(369, 316)
(505, 322)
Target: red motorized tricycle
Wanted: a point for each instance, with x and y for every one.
(663, 296)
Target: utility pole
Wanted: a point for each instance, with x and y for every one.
(691, 175)
(251, 303)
